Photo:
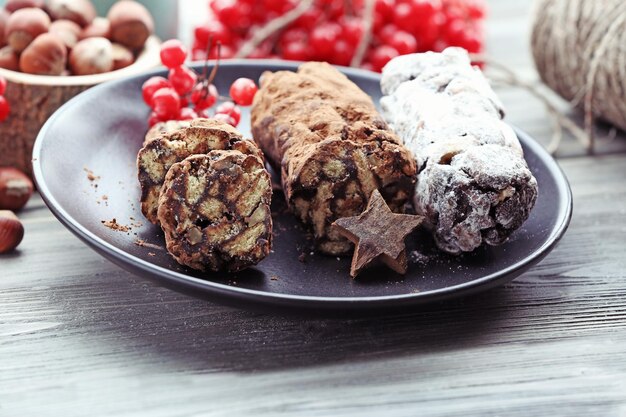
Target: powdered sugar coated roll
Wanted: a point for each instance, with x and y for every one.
(473, 184)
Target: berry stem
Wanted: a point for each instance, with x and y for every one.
(217, 64)
(273, 26)
(205, 67)
(366, 38)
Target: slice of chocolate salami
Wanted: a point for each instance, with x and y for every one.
(473, 184)
(160, 153)
(333, 148)
(161, 128)
(215, 211)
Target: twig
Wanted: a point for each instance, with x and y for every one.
(559, 120)
(368, 21)
(205, 67)
(217, 64)
(273, 26)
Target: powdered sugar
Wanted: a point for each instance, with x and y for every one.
(473, 183)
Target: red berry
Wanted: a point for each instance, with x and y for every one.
(233, 14)
(404, 18)
(242, 91)
(261, 51)
(424, 10)
(173, 53)
(3, 85)
(213, 29)
(352, 30)
(5, 109)
(439, 46)
(187, 113)
(403, 42)
(367, 66)
(276, 6)
(385, 8)
(454, 31)
(471, 42)
(427, 35)
(183, 79)
(386, 33)
(225, 118)
(342, 53)
(226, 52)
(166, 103)
(151, 85)
(323, 39)
(382, 55)
(198, 54)
(228, 108)
(153, 119)
(476, 9)
(378, 22)
(290, 36)
(335, 9)
(203, 98)
(295, 51)
(309, 19)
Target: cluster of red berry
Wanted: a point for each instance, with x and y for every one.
(185, 96)
(331, 29)
(4, 104)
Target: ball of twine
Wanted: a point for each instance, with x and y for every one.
(579, 47)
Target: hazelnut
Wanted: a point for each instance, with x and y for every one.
(13, 5)
(81, 12)
(91, 56)
(9, 59)
(4, 18)
(46, 55)
(15, 189)
(11, 231)
(100, 27)
(122, 56)
(131, 24)
(24, 26)
(67, 31)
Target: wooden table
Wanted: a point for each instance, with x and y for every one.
(79, 336)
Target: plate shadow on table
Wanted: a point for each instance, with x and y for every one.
(193, 335)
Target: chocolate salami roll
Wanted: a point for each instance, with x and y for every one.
(215, 211)
(333, 148)
(159, 153)
(473, 184)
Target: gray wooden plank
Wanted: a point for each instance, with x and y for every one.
(77, 334)
(80, 336)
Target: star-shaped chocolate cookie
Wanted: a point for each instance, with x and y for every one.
(378, 233)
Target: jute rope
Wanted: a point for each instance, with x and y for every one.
(579, 47)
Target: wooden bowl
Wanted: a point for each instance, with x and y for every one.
(33, 99)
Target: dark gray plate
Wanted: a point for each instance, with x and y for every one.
(102, 129)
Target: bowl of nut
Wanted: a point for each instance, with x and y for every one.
(51, 50)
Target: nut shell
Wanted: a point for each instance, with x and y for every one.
(81, 12)
(15, 189)
(4, 18)
(100, 27)
(24, 26)
(67, 31)
(131, 24)
(13, 5)
(11, 231)
(46, 55)
(9, 59)
(122, 56)
(91, 56)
